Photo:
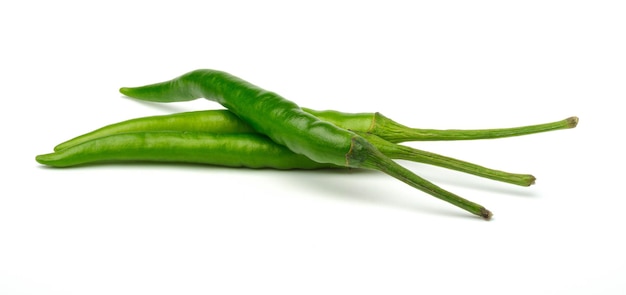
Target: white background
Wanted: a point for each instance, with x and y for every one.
(181, 229)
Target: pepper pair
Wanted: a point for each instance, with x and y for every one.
(260, 129)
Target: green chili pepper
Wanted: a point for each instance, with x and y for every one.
(287, 124)
(223, 121)
(213, 121)
(251, 150)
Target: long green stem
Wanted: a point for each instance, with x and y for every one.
(396, 132)
(396, 151)
(372, 158)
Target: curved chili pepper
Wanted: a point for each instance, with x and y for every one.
(287, 124)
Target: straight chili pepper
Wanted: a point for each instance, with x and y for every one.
(221, 122)
(250, 150)
(224, 121)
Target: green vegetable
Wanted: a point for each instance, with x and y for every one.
(287, 124)
(251, 150)
(223, 121)
(216, 121)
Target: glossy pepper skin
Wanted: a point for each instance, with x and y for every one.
(267, 112)
(225, 122)
(220, 121)
(216, 121)
(287, 124)
(251, 150)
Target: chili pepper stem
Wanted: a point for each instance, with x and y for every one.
(396, 151)
(367, 156)
(396, 132)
